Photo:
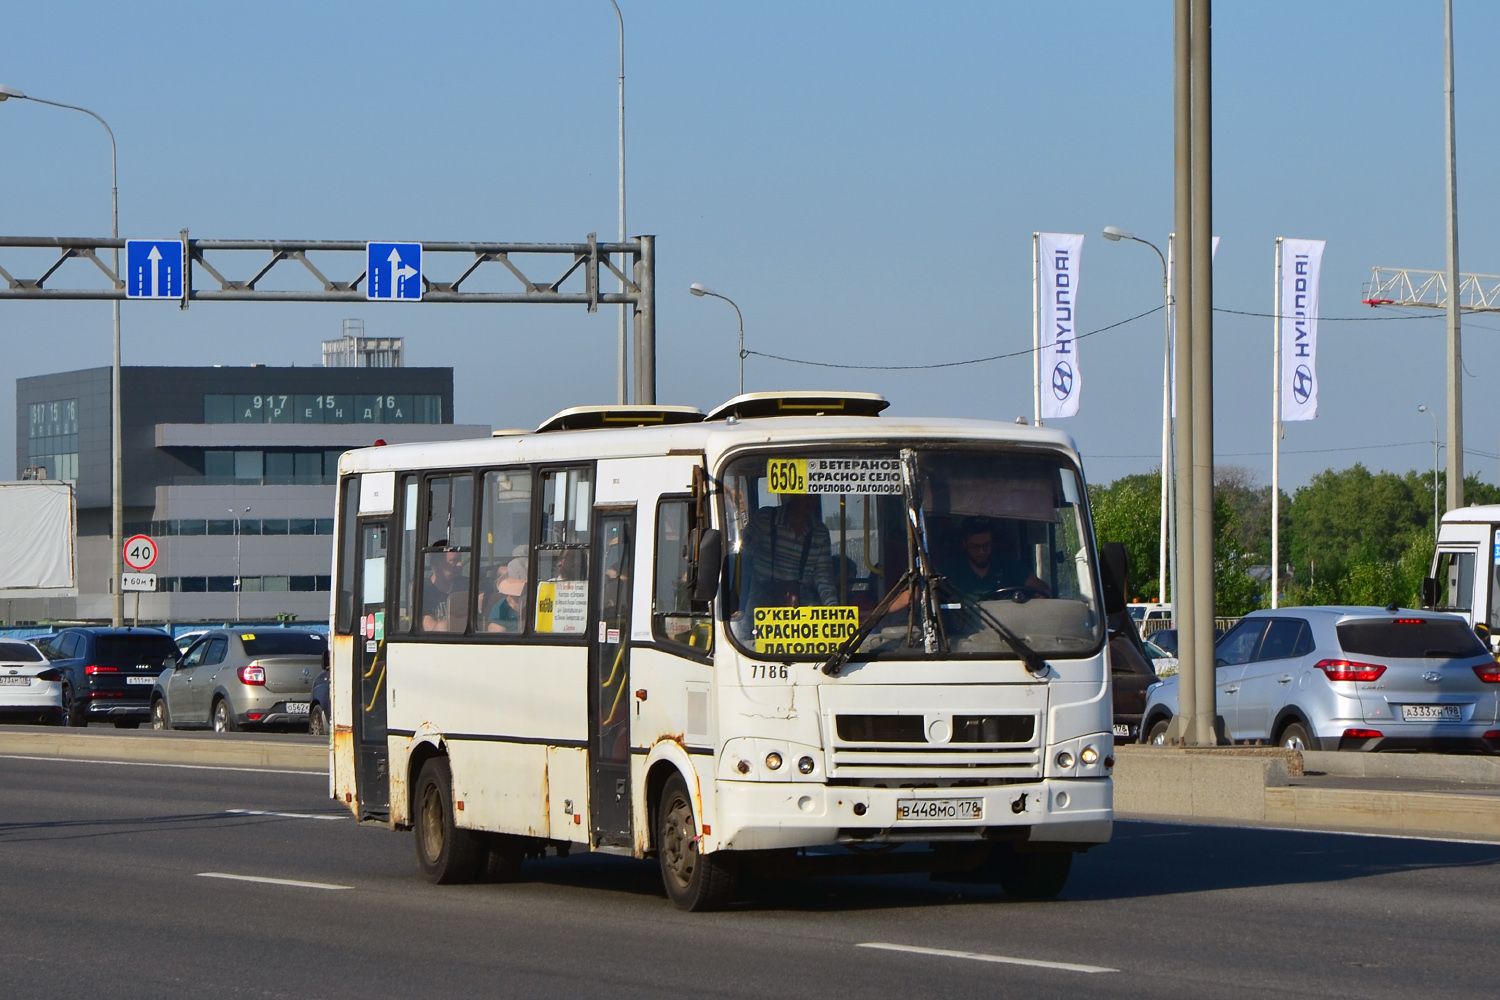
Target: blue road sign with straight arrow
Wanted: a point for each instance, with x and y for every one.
(393, 272)
(153, 269)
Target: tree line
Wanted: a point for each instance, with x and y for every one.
(1350, 536)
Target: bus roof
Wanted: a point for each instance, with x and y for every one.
(713, 438)
(1480, 513)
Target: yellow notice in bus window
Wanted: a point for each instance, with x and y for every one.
(808, 631)
(562, 606)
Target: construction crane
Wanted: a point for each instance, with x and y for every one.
(1403, 286)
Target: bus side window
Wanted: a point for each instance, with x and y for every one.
(561, 566)
(675, 616)
(504, 544)
(408, 557)
(348, 548)
(447, 546)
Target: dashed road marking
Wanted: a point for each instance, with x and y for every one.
(981, 957)
(281, 815)
(274, 881)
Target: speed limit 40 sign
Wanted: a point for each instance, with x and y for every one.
(140, 552)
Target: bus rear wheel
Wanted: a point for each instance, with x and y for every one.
(446, 853)
(693, 881)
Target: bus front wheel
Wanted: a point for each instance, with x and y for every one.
(693, 881)
(446, 853)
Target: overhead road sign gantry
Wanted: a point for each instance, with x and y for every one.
(394, 272)
(153, 269)
(574, 280)
(1405, 286)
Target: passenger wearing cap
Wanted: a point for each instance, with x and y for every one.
(508, 612)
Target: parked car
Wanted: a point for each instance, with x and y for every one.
(1348, 678)
(1166, 639)
(230, 680)
(186, 639)
(107, 673)
(1163, 663)
(321, 709)
(30, 687)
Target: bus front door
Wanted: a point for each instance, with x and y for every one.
(371, 768)
(609, 678)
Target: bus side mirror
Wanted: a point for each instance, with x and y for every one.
(1429, 593)
(706, 566)
(1116, 565)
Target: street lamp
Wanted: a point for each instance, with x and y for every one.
(239, 583)
(117, 501)
(1115, 235)
(700, 291)
(1436, 517)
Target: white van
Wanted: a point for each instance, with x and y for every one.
(1465, 575)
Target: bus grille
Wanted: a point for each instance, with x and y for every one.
(897, 747)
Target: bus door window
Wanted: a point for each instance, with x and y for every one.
(1455, 575)
(676, 617)
(503, 544)
(561, 563)
(609, 665)
(370, 660)
(408, 559)
(446, 552)
(344, 621)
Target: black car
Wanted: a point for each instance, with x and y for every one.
(108, 673)
(321, 709)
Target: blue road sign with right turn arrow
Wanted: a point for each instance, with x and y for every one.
(393, 272)
(153, 269)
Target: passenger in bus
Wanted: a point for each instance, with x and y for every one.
(445, 593)
(510, 583)
(790, 556)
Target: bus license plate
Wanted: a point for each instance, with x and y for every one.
(929, 809)
(296, 708)
(1440, 713)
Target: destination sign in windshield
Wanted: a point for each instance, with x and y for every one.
(834, 475)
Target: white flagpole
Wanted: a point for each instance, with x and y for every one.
(1036, 330)
(1164, 573)
(1172, 564)
(1276, 436)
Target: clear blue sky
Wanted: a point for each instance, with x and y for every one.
(863, 178)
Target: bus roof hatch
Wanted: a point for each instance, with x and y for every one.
(584, 418)
(800, 403)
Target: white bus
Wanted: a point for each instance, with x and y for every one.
(789, 634)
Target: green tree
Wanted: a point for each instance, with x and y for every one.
(1128, 510)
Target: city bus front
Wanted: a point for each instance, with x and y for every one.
(913, 650)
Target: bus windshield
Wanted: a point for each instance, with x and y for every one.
(819, 539)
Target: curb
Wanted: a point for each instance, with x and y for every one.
(164, 748)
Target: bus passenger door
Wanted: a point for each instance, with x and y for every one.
(371, 767)
(609, 678)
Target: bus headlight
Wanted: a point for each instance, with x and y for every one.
(1089, 755)
(773, 760)
(1064, 759)
(805, 765)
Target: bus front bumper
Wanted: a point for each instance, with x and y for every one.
(757, 815)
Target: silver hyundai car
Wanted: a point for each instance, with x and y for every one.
(231, 679)
(1349, 678)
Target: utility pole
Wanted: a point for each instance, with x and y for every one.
(1184, 606)
(1455, 365)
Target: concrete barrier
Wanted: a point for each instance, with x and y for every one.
(1433, 766)
(215, 749)
(1438, 814)
(1170, 782)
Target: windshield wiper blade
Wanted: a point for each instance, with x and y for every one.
(1033, 660)
(840, 656)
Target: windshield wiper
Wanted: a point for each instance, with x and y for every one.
(1033, 660)
(840, 656)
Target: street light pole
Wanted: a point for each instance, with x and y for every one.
(622, 385)
(1164, 577)
(1437, 517)
(117, 491)
(700, 291)
(1455, 365)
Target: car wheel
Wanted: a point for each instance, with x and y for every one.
(1030, 876)
(317, 721)
(693, 881)
(1296, 737)
(159, 718)
(1157, 737)
(446, 853)
(503, 856)
(74, 712)
(224, 718)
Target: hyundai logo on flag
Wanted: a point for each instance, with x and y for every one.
(1302, 384)
(1062, 380)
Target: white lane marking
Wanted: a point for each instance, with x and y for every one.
(143, 763)
(262, 812)
(274, 881)
(981, 957)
